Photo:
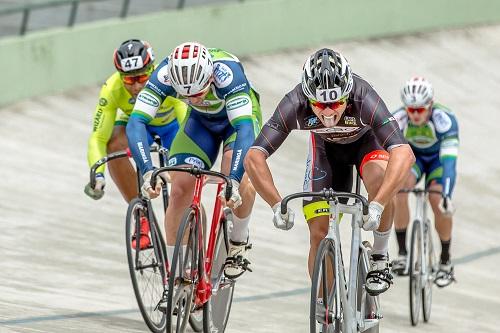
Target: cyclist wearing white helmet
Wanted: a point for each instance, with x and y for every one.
(349, 125)
(432, 131)
(134, 62)
(223, 109)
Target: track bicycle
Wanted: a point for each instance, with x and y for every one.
(148, 267)
(199, 281)
(337, 304)
(422, 265)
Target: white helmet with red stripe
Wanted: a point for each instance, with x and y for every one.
(190, 68)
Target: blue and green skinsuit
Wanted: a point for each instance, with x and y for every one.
(435, 145)
(229, 114)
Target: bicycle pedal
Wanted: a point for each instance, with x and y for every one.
(245, 265)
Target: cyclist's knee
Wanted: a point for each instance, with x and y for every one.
(182, 187)
(373, 179)
(401, 199)
(317, 230)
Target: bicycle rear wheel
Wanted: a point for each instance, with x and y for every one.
(216, 310)
(185, 270)
(415, 272)
(365, 303)
(429, 278)
(322, 312)
(146, 267)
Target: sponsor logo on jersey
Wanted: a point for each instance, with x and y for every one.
(103, 101)
(350, 120)
(148, 99)
(237, 102)
(172, 161)
(311, 121)
(238, 88)
(143, 152)
(97, 119)
(336, 129)
(155, 88)
(237, 160)
(322, 210)
(223, 75)
(442, 121)
(163, 76)
(309, 178)
(273, 124)
(195, 161)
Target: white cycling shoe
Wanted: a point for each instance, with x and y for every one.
(379, 278)
(400, 265)
(445, 275)
(237, 259)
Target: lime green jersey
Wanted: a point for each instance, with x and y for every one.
(114, 108)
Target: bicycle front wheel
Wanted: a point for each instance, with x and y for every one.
(366, 304)
(184, 273)
(429, 276)
(415, 272)
(322, 316)
(216, 310)
(146, 266)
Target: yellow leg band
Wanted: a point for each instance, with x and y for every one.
(316, 209)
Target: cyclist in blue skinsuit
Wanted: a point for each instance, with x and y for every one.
(432, 131)
(223, 109)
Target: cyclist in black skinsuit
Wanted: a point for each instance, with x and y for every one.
(349, 125)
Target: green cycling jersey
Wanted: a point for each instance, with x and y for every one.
(114, 108)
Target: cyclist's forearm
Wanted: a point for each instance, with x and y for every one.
(138, 143)
(244, 139)
(96, 150)
(102, 129)
(400, 161)
(260, 175)
(449, 175)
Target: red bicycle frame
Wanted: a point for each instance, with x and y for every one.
(204, 286)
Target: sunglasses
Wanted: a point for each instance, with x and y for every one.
(416, 110)
(333, 105)
(202, 91)
(128, 79)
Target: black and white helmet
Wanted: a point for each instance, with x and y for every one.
(133, 56)
(190, 68)
(417, 92)
(326, 76)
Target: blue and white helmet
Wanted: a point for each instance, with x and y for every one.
(417, 92)
(326, 76)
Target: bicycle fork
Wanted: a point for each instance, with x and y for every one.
(420, 218)
(343, 294)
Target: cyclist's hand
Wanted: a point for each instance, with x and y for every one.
(372, 220)
(283, 221)
(97, 192)
(235, 200)
(446, 206)
(146, 189)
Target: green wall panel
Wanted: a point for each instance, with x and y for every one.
(55, 60)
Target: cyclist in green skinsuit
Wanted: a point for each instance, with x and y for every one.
(134, 61)
(224, 112)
